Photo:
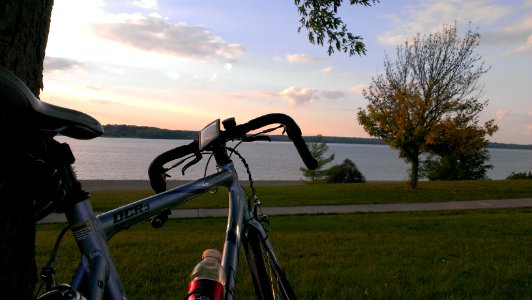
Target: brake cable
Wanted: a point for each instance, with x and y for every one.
(48, 271)
(256, 200)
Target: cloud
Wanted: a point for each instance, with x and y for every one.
(96, 87)
(296, 96)
(529, 124)
(502, 23)
(326, 70)
(333, 94)
(147, 4)
(57, 63)
(301, 58)
(501, 114)
(174, 75)
(428, 16)
(104, 102)
(517, 32)
(357, 89)
(112, 70)
(150, 33)
(521, 49)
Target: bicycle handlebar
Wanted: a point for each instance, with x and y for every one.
(156, 171)
(292, 130)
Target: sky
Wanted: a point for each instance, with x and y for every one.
(180, 64)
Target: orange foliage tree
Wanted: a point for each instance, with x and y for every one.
(429, 98)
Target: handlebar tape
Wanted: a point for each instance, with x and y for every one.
(156, 171)
(292, 130)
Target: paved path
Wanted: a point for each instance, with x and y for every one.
(341, 209)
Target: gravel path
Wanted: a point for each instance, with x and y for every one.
(113, 185)
(341, 209)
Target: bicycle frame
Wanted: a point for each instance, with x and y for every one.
(91, 232)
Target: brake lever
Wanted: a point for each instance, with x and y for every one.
(256, 138)
(193, 162)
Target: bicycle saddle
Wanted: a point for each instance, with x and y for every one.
(22, 111)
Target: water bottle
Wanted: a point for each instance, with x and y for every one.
(207, 278)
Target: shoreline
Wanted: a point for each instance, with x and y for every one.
(114, 185)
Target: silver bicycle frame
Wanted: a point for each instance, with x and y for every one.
(91, 232)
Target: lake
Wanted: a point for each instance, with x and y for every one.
(129, 158)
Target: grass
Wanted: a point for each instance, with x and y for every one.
(333, 194)
(484, 254)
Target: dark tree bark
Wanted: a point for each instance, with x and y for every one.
(414, 176)
(24, 26)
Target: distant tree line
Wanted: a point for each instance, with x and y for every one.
(146, 132)
(520, 175)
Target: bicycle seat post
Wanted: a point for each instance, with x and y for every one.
(74, 193)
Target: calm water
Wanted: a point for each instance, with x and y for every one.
(128, 159)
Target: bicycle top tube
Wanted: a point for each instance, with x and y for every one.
(123, 217)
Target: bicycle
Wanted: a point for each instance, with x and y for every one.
(96, 276)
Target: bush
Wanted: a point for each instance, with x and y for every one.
(457, 167)
(520, 175)
(346, 172)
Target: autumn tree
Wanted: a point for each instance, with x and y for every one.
(429, 98)
(459, 153)
(318, 148)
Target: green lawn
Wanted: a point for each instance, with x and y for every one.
(331, 194)
(483, 254)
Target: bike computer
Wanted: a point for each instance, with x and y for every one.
(208, 134)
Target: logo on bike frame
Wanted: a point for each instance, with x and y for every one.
(127, 213)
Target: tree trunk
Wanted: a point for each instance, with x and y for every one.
(414, 173)
(24, 26)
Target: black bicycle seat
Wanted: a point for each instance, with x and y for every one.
(21, 110)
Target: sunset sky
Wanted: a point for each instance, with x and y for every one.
(181, 64)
